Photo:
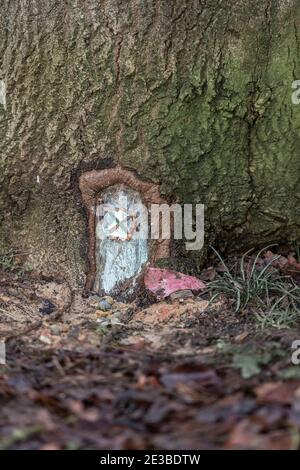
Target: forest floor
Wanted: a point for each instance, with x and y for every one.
(178, 374)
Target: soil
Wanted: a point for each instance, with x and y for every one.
(145, 375)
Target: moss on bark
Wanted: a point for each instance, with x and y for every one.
(193, 94)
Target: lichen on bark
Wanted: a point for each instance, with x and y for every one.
(194, 95)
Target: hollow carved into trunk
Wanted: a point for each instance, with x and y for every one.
(114, 257)
(194, 96)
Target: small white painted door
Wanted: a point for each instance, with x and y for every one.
(121, 237)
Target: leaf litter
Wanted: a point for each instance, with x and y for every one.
(176, 374)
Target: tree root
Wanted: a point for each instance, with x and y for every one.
(38, 324)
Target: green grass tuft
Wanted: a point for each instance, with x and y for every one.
(10, 263)
(276, 297)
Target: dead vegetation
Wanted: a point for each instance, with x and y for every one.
(180, 374)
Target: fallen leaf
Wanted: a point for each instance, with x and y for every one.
(277, 392)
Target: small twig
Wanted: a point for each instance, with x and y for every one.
(25, 331)
(58, 366)
(8, 314)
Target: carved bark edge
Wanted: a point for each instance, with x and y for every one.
(95, 181)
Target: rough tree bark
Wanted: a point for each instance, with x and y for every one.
(192, 94)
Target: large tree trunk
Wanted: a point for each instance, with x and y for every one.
(192, 94)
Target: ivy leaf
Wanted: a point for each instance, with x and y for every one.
(249, 365)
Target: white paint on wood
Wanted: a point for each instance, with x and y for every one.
(119, 255)
(2, 353)
(3, 93)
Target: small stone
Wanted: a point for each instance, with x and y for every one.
(45, 339)
(117, 314)
(109, 299)
(181, 295)
(104, 305)
(94, 298)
